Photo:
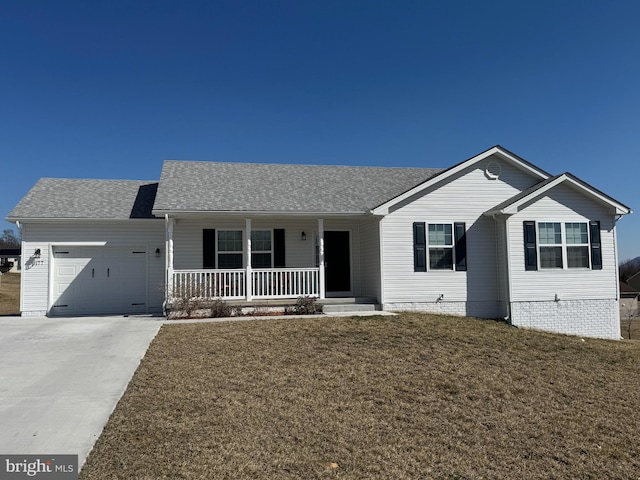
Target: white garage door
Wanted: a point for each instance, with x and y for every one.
(99, 280)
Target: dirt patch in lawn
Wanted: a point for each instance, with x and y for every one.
(413, 396)
(10, 294)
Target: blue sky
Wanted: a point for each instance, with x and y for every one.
(111, 89)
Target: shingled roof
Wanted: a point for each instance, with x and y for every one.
(187, 186)
(62, 198)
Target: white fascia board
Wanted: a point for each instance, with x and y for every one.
(384, 208)
(243, 213)
(620, 209)
(513, 208)
(78, 244)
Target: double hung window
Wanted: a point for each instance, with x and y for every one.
(439, 246)
(550, 245)
(225, 249)
(562, 245)
(261, 249)
(230, 249)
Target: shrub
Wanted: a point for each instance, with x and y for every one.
(305, 306)
(192, 302)
(218, 308)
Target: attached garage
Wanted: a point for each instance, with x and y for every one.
(90, 280)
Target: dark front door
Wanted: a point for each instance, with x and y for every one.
(337, 264)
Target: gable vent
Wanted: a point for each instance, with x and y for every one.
(493, 170)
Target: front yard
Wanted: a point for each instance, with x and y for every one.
(413, 396)
(10, 294)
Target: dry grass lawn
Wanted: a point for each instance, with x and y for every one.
(10, 294)
(414, 396)
(635, 328)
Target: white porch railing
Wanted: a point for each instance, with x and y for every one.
(285, 282)
(231, 284)
(228, 284)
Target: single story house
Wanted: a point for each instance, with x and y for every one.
(493, 237)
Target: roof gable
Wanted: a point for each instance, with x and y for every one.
(444, 175)
(511, 205)
(193, 187)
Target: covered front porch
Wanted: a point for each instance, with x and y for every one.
(266, 258)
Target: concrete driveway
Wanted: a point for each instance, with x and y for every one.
(61, 378)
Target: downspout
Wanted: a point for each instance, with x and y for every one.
(617, 269)
(507, 318)
(381, 260)
(495, 235)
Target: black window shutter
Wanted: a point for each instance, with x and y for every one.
(461, 246)
(530, 249)
(419, 247)
(279, 260)
(208, 248)
(596, 251)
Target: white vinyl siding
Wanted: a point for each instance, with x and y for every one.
(462, 199)
(37, 278)
(563, 205)
(370, 248)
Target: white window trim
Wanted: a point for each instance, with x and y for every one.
(229, 252)
(452, 247)
(568, 245)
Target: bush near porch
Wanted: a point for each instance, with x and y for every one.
(188, 307)
(413, 396)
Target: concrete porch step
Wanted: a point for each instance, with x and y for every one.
(346, 300)
(350, 307)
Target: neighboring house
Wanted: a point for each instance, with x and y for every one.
(634, 281)
(493, 237)
(9, 260)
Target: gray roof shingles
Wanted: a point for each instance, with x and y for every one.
(281, 188)
(62, 198)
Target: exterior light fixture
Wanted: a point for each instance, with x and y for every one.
(37, 253)
(303, 236)
(157, 253)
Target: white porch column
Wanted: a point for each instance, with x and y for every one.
(321, 255)
(248, 245)
(170, 222)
